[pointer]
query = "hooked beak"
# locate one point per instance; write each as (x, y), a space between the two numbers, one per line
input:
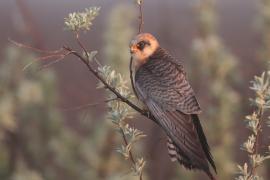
(132, 46)
(132, 49)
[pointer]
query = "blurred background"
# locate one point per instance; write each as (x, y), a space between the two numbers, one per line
(46, 132)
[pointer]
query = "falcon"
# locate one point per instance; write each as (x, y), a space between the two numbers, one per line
(160, 82)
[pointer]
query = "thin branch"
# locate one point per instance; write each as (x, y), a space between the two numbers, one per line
(256, 147)
(126, 143)
(131, 59)
(131, 76)
(30, 23)
(112, 89)
(81, 45)
(58, 56)
(20, 45)
(89, 104)
(84, 49)
(140, 16)
(130, 152)
(61, 57)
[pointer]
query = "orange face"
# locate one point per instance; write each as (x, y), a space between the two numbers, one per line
(139, 46)
(143, 46)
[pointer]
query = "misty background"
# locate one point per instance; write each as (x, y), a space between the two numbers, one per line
(67, 142)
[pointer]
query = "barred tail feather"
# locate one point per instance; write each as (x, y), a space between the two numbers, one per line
(187, 143)
(175, 155)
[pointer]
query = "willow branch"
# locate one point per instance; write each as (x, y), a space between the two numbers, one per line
(65, 51)
(256, 147)
(130, 153)
(126, 143)
(109, 87)
(112, 89)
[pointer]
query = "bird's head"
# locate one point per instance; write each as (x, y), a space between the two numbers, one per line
(143, 46)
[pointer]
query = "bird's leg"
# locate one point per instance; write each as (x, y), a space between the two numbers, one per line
(146, 111)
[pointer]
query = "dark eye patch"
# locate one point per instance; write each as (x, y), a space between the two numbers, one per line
(142, 44)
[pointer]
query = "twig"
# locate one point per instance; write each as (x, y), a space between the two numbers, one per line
(89, 104)
(81, 45)
(131, 76)
(61, 57)
(139, 2)
(29, 22)
(140, 16)
(58, 56)
(126, 143)
(256, 147)
(20, 45)
(112, 89)
(130, 153)
(84, 49)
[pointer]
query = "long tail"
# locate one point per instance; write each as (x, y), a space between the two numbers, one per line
(187, 143)
(203, 140)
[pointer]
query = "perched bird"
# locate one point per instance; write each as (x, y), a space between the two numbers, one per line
(160, 82)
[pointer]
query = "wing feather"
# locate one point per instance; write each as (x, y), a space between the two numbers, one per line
(165, 81)
(162, 85)
(183, 134)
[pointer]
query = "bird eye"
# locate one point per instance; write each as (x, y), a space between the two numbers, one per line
(141, 45)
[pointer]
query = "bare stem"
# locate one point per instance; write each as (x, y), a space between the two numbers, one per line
(139, 31)
(140, 17)
(20, 45)
(30, 23)
(90, 104)
(81, 45)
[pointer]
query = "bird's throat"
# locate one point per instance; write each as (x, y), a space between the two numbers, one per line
(137, 63)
